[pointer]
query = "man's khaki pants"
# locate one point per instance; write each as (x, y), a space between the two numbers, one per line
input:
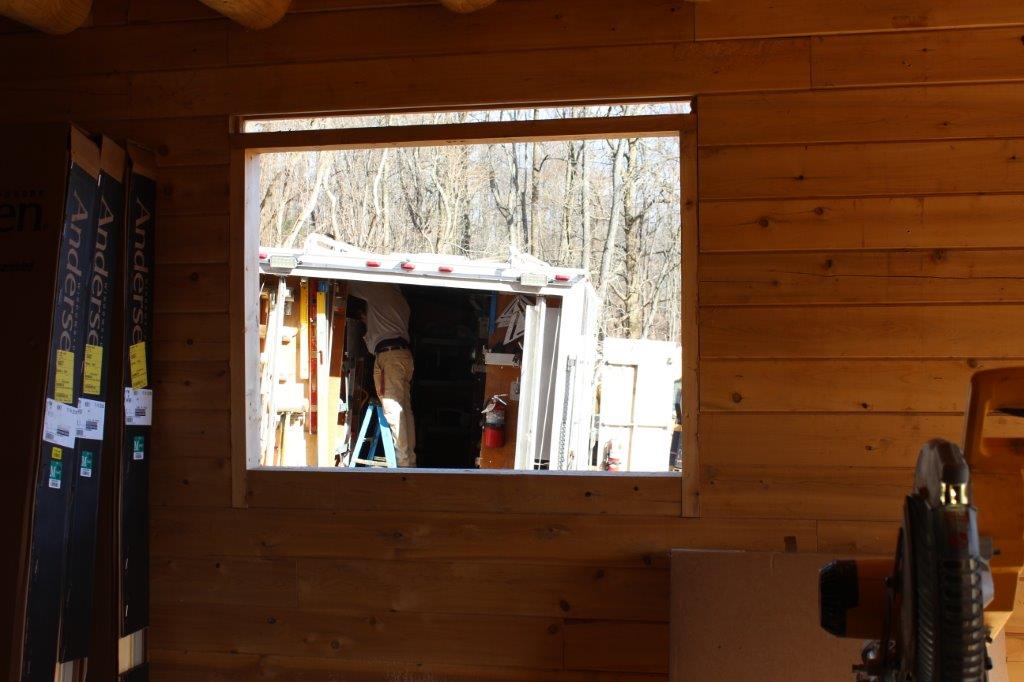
(392, 376)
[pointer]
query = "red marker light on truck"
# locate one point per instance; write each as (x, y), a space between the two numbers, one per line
(264, 255)
(445, 268)
(408, 266)
(373, 263)
(561, 278)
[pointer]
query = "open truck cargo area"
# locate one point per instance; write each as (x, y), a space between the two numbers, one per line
(504, 357)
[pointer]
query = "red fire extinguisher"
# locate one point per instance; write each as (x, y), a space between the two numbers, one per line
(494, 422)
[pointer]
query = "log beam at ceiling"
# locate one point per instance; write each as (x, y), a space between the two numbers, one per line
(50, 16)
(254, 14)
(466, 6)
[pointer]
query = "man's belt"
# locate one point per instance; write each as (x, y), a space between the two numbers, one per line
(390, 344)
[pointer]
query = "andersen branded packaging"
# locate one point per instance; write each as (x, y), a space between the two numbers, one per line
(48, 192)
(120, 613)
(102, 287)
(133, 439)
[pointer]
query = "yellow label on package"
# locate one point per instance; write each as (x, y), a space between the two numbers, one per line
(92, 369)
(64, 377)
(56, 453)
(137, 360)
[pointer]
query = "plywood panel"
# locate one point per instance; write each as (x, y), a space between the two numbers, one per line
(192, 239)
(190, 190)
(863, 115)
(838, 385)
(923, 57)
(934, 276)
(866, 332)
(189, 385)
(864, 537)
(740, 18)
(194, 666)
(182, 141)
(431, 29)
(863, 169)
(1016, 623)
(860, 493)
(484, 588)
(190, 482)
(732, 608)
(589, 540)
(1015, 647)
(641, 647)
(858, 537)
(437, 638)
(795, 440)
(227, 581)
(191, 337)
(192, 432)
(938, 222)
(80, 98)
(152, 47)
(675, 70)
(108, 12)
(191, 288)
(505, 492)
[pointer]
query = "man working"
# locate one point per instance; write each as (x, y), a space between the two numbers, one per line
(387, 337)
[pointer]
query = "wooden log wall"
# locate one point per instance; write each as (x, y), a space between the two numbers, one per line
(861, 191)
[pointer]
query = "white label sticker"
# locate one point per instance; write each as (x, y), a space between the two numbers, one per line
(90, 418)
(138, 406)
(60, 423)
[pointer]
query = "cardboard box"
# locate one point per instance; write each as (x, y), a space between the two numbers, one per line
(754, 616)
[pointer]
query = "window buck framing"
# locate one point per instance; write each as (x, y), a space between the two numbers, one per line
(244, 285)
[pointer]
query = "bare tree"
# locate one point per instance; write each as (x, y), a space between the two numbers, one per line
(609, 207)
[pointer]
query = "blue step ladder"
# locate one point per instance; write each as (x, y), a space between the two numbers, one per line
(374, 434)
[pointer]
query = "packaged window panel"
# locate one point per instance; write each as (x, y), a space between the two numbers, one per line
(48, 189)
(137, 400)
(101, 287)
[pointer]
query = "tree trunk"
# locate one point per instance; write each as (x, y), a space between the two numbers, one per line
(586, 237)
(323, 162)
(335, 228)
(565, 244)
(613, 222)
(632, 224)
(465, 238)
(524, 198)
(536, 165)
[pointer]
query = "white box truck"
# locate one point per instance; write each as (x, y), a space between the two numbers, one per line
(468, 318)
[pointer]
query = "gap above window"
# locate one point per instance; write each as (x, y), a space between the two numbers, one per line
(328, 122)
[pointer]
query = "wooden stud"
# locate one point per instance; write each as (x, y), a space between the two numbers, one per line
(689, 318)
(244, 321)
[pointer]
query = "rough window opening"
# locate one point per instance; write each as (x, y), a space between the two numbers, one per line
(508, 306)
